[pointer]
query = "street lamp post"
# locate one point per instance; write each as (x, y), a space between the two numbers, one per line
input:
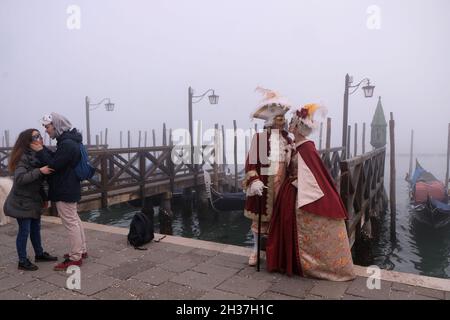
(213, 99)
(108, 107)
(368, 93)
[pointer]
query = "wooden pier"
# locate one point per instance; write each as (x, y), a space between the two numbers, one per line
(137, 173)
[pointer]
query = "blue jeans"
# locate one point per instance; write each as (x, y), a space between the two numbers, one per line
(29, 227)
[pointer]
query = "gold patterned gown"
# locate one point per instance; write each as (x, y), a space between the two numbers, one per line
(305, 243)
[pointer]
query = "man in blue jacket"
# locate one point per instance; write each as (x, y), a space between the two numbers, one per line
(64, 185)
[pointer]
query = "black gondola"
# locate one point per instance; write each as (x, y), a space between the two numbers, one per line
(427, 209)
(223, 201)
(438, 212)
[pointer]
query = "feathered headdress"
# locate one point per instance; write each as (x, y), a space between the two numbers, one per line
(303, 118)
(267, 93)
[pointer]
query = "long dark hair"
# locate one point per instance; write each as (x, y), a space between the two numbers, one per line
(22, 144)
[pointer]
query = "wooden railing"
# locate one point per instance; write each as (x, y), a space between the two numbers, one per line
(331, 159)
(120, 171)
(362, 189)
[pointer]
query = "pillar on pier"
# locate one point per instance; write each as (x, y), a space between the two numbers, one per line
(147, 209)
(188, 199)
(165, 214)
(202, 204)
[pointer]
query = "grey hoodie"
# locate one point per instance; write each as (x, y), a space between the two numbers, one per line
(60, 123)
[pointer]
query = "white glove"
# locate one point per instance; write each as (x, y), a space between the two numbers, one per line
(256, 188)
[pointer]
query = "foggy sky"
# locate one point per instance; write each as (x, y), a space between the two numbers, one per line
(145, 54)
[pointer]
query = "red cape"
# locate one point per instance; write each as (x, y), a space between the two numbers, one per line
(330, 205)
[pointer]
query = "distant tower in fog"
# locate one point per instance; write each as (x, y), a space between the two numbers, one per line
(378, 127)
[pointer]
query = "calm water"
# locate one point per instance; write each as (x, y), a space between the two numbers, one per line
(224, 227)
(417, 249)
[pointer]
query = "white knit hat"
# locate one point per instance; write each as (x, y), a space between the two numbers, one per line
(47, 119)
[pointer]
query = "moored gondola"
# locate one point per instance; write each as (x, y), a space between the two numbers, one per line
(223, 201)
(429, 199)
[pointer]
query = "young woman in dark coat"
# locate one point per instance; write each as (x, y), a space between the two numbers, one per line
(27, 198)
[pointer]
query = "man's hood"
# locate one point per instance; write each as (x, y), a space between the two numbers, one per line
(60, 123)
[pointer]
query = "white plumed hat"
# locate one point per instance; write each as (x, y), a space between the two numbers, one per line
(303, 118)
(270, 106)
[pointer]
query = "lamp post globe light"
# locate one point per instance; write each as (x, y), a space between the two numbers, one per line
(109, 106)
(213, 99)
(368, 93)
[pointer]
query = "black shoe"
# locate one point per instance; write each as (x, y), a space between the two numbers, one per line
(45, 257)
(27, 266)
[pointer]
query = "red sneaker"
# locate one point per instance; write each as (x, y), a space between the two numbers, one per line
(83, 256)
(67, 263)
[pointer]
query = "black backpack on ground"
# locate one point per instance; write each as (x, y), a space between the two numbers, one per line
(141, 230)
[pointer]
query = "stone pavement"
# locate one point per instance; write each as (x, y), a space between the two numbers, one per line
(180, 268)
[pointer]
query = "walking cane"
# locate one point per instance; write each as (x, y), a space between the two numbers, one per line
(259, 242)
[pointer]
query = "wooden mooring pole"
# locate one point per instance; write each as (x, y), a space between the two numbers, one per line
(349, 131)
(129, 143)
(7, 138)
(164, 137)
(320, 136)
(411, 153)
(356, 140)
(216, 156)
(140, 138)
(165, 214)
(197, 161)
(104, 181)
(235, 157)
(363, 142)
(154, 141)
(328, 138)
(392, 198)
(448, 159)
(224, 165)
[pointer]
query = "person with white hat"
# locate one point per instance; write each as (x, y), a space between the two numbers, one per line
(265, 165)
(307, 234)
(64, 185)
